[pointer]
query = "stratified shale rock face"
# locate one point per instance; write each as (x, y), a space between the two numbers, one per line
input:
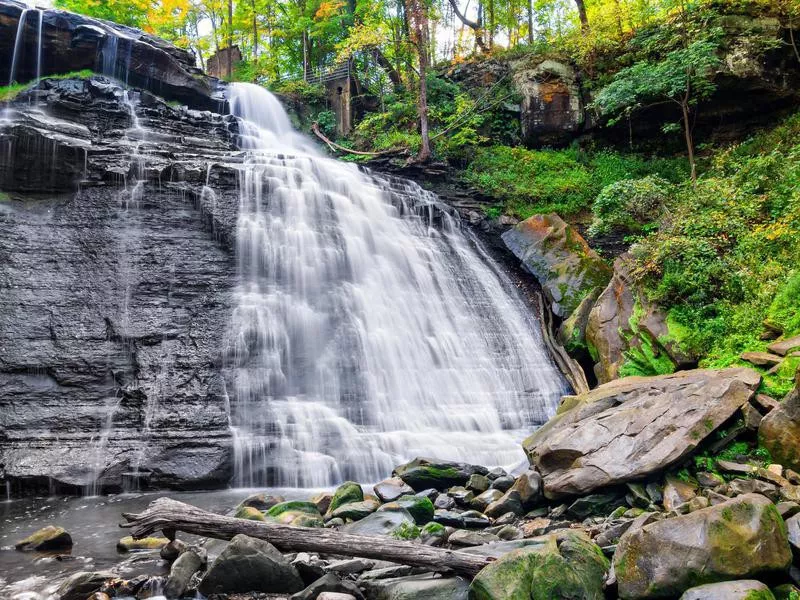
(114, 297)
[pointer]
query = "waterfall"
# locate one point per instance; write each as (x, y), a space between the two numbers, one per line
(17, 44)
(363, 336)
(39, 45)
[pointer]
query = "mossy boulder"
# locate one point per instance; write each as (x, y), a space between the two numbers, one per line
(739, 539)
(250, 513)
(420, 507)
(293, 506)
(560, 259)
(346, 493)
(305, 520)
(748, 589)
(128, 544)
(425, 473)
(47, 539)
(564, 565)
(385, 522)
(354, 511)
(627, 334)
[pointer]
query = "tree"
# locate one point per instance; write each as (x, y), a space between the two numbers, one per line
(476, 26)
(684, 76)
(582, 14)
(417, 14)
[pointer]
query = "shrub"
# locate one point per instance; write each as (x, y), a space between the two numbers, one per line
(628, 205)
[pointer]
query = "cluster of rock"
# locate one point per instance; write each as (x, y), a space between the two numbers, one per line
(606, 511)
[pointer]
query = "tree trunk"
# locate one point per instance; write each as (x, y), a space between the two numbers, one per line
(476, 26)
(230, 39)
(687, 131)
(170, 516)
(582, 14)
(530, 22)
(306, 57)
(391, 71)
(255, 34)
(418, 17)
(491, 24)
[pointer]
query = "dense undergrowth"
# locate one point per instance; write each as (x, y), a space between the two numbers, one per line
(726, 256)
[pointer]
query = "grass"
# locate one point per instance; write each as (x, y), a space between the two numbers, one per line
(565, 181)
(10, 92)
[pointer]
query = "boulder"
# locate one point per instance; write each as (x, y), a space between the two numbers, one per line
(128, 544)
(743, 537)
(424, 473)
(784, 347)
(172, 550)
(261, 501)
(427, 586)
(293, 506)
(354, 511)
(746, 589)
(627, 334)
(677, 492)
(82, 584)
(465, 537)
(346, 493)
(47, 539)
(391, 489)
(181, 572)
(419, 507)
(478, 483)
(322, 501)
(250, 513)
(560, 259)
(482, 501)
(779, 431)
(510, 502)
(628, 429)
(380, 523)
(250, 565)
(561, 565)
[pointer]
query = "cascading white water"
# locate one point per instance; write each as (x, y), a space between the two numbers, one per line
(363, 336)
(17, 45)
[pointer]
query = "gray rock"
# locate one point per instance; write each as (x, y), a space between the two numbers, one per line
(741, 538)
(250, 565)
(445, 502)
(449, 518)
(328, 583)
(350, 566)
(633, 427)
(677, 492)
(429, 587)
(560, 259)
(463, 537)
(335, 596)
(483, 500)
(461, 495)
(478, 483)
(747, 589)
(181, 572)
(46, 539)
(380, 523)
(793, 529)
(503, 483)
(391, 489)
(423, 473)
(82, 584)
(594, 504)
(309, 566)
(171, 551)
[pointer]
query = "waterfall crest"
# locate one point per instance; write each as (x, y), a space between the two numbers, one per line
(362, 335)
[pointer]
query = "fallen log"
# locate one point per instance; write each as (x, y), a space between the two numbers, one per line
(169, 516)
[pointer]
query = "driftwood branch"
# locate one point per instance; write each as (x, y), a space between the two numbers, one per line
(334, 146)
(169, 516)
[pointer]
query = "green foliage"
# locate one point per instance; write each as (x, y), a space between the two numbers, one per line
(726, 255)
(327, 122)
(310, 93)
(406, 531)
(564, 181)
(628, 205)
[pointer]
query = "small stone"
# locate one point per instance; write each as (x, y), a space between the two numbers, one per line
(632, 513)
(790, 493)
(445, 502)
(654, 492)
(752, 418)
(559, 511)
(709, 480)
(322, 501)
(309, 566)
(509, 502)
(698, 503)
(182, 570)
(432, 534)
(593, 504)
(792, 476)
(391, 489)
(505, 519)
(761, 359)
(48, 538)
(478, 483)
(463, 537)
(128, 544)
(335, 596)
(350, 566)
(496, 472)
(750, 486)
(637, 495)
(535, 527)
(788, 509)
(765, 403)
(509, 532)
(448, 517)
(173, 550)
(328, 583)
(617, 513)
(503, 483)
(335, 522)
(677, 492)
(461, 495)
(430, 494)
(483, 500)
(715, 498)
